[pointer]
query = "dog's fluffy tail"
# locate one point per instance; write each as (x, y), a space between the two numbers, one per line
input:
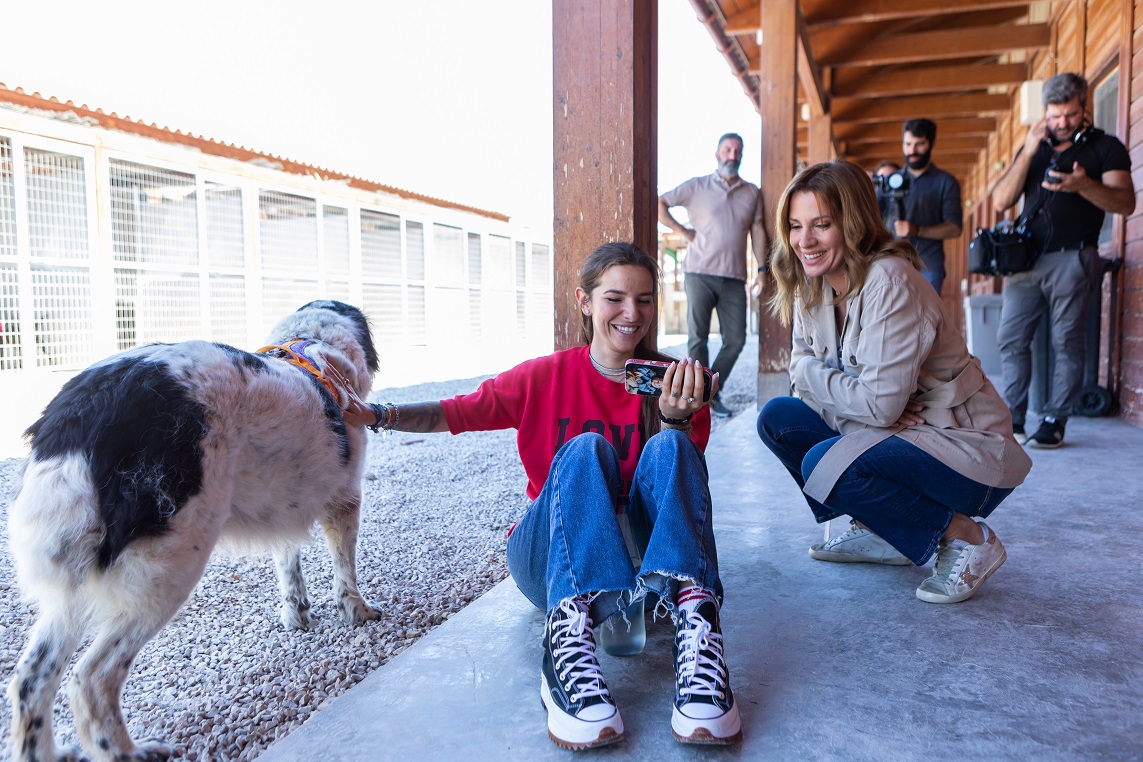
(54, 527)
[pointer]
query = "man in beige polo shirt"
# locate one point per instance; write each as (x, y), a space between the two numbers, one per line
(723, 208)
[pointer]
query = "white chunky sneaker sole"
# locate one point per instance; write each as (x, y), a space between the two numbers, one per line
(717, 731)
(821, 554)
(573, 733)
(857, 546)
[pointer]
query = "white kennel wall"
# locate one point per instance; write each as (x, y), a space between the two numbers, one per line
(110, 240)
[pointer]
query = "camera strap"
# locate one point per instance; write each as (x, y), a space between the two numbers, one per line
(1025, 219)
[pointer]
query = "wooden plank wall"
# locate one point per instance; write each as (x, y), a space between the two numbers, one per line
(1102, 32)
(1089, 36)
(1131, 317)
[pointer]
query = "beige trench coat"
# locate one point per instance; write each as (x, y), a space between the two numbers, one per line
(898, 344)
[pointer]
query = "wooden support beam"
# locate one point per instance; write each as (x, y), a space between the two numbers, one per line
(778, 100)
(808, 72)
(939, 45)
(868, 83)
(604, 72)
(820, 146)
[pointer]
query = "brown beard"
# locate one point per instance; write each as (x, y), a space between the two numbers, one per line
(922, 160)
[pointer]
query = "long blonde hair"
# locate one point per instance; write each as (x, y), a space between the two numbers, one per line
(845, 193)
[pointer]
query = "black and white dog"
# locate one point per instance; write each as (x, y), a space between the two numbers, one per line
(139, 466)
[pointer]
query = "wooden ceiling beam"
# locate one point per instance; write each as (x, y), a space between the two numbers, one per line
(949, 144)
(958, 169)
(731, 50)
(747, 21)
(940, 157)
(932, 107)
(843, 39)
(867, 83)
(828, 12)
(940, 45)
(891, 131)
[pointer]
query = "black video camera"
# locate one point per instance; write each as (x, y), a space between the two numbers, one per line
(895, 185)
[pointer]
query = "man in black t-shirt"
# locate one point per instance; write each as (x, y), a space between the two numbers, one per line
(932, 206)
(1074, 174)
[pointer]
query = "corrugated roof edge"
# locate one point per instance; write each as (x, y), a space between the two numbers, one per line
(213, 147)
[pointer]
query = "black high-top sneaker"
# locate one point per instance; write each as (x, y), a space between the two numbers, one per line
(704, 711)
(581, 712)
(1049, 436)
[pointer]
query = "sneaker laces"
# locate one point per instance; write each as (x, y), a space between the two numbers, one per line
(573, 652)
(851, 533)
(701, 665)
(950, 560)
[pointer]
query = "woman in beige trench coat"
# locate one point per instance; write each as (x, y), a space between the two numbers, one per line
(892, 422)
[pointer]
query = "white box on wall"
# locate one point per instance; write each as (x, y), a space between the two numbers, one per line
(1031, 101)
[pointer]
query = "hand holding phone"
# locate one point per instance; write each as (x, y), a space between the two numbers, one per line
(646, 377)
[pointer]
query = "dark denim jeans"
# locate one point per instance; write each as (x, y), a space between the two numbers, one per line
(898, 490)
(569, 542)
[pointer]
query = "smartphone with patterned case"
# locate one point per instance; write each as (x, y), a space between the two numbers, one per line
(646, 377)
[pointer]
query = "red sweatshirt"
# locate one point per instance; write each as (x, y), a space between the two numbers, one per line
(551, 399)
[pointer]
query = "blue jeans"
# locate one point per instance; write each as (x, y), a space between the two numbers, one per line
(727, 297)
(936, 277)
(569, 542)
(896, 489)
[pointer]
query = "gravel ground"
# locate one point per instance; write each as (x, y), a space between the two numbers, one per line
(223, 680)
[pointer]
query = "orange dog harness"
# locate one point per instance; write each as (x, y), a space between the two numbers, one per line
(291, 352)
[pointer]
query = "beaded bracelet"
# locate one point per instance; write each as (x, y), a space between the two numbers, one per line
(675, 421)
(387, 416)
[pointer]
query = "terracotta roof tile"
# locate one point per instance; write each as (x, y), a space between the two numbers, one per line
(113, 121)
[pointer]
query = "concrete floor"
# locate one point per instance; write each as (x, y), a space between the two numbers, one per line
(828, 661)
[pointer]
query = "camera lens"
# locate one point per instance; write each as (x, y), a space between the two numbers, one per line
(895, 181)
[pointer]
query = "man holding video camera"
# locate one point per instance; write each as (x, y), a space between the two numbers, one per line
(923, 200)
(1072, 174)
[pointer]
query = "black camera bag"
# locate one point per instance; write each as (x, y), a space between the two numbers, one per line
(1007, 248)
(999, 251)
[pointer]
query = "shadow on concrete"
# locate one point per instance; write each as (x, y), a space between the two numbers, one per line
(834, 662)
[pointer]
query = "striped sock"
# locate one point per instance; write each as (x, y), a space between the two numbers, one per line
(689, 598)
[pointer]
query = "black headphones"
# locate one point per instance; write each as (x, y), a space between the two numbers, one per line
(1085, 131)
(1066, 158)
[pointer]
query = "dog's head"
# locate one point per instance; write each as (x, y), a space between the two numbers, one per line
(341, 326)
